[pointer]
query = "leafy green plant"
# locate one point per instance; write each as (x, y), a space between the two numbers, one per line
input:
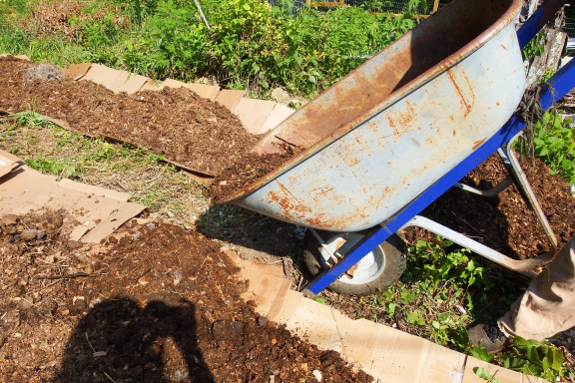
(535, 358)
(555, 145)
(536, 46)
(484, 374)
(31, 119)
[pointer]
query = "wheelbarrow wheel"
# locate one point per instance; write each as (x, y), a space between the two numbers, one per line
(377, 270)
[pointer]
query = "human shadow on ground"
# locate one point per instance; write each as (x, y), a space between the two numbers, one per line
(120, 341)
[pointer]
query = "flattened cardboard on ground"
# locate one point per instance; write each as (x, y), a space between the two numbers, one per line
(8, 163)
(171, 84)
(278, 115)
(25, 189)
(128, 82)
(387, 354)
(254, 113)
(5, 55)
(205, 91)
(76, 71)
(151, 85)
(102, 75)
(230, 98)
(112, 222)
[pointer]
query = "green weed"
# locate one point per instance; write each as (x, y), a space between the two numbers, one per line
(555, 145)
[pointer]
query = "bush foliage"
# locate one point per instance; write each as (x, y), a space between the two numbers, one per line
(250, 44)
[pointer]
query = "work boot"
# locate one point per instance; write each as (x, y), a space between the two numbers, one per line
(491, 337)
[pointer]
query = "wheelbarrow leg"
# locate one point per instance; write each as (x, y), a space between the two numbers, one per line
(513, 165)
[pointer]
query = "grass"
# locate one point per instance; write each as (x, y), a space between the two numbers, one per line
(169, 193)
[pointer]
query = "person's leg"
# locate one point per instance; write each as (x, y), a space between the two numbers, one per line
(546, 308)
(548, 305)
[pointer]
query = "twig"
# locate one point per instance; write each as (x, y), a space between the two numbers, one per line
(77, 275)
(205, 20)
(88, 340)
(108, 376)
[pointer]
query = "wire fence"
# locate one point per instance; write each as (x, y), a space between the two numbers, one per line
(569, 28)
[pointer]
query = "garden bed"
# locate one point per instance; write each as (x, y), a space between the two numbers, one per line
(154, 303)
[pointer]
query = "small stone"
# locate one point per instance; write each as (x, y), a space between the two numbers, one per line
(137, 236)
(137, 371)
(170, 214)
(28, 235)
(280, 95)
(79, 303)
(317, 375)
(10, 219)
(27, 303)
(262, 321)
(19, 229)
(40, 234)
(151, 226)
(177, 277)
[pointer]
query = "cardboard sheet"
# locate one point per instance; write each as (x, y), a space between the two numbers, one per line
(387, 354)
(24, 189)
(205, 91)
(102, 75)
(230, 98)
(278, 115)
(76, 71)
(128, 82)
(254, 113)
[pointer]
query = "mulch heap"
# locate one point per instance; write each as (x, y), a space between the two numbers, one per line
(153, 303)
(506, 222)
(196, 133)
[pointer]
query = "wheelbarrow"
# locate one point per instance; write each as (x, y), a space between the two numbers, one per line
(396, 133)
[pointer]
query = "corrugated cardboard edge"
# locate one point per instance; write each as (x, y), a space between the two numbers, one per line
(388, 354)
(8, 163)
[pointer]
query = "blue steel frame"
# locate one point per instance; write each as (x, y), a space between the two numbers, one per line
(557, 87)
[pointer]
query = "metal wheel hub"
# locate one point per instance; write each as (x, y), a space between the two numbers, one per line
(368, 269)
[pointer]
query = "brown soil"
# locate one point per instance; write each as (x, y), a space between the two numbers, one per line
(505, 223)
(154, 303)
(245, 171)
(188, 130)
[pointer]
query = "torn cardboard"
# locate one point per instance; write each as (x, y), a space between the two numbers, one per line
(8, 163)
(77, 71)
(24, 189)
(388, 354)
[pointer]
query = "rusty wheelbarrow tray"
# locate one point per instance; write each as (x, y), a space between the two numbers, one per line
(392, 127)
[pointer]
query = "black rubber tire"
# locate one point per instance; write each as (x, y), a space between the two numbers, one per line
(393, 248)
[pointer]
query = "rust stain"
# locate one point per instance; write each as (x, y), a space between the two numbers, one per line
(462, 99)
(477, 144)
(503, 46)
(453, 132)
(497, 103)
(392, 125)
